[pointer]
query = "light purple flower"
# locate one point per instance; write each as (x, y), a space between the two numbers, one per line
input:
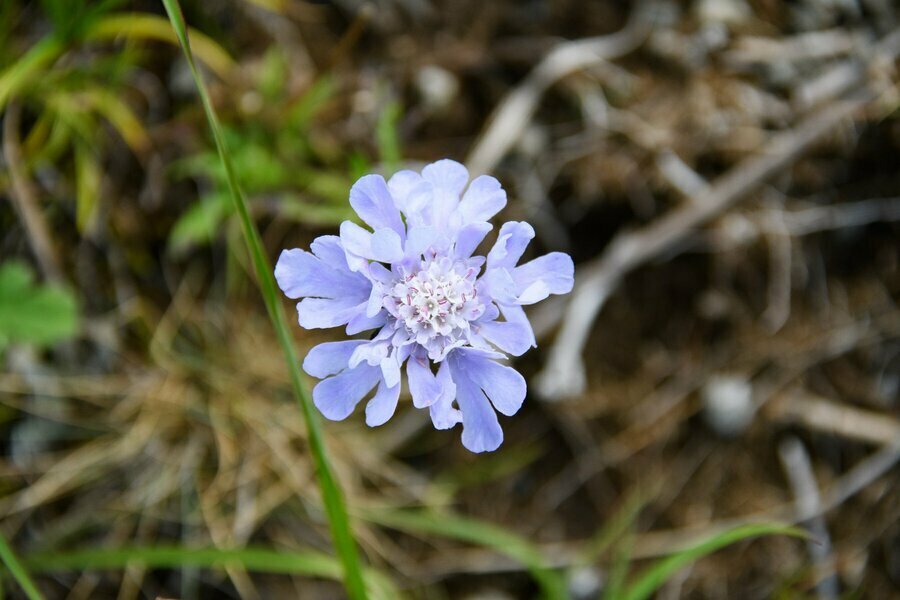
(447, 315)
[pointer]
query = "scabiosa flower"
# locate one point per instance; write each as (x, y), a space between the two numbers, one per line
(449, 316)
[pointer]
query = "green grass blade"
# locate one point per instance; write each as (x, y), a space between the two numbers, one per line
(18, 571)
(476, 532)
(618, 571)
(655, 576)
(256, 560)
(615, 528)
(259, 560)
(152, 27)
(28, 68)
(332, 497)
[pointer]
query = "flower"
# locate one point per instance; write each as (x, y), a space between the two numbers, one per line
(448, 315)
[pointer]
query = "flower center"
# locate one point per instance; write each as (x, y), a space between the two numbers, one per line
(438, 300)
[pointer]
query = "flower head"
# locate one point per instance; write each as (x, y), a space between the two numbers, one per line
(447, 315)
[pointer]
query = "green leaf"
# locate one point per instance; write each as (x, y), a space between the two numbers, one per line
(199, 224)
(258, 168)
(310, 103)
(387, 137)
(476, 532)
(33, 313)
(299, 210)
(655, 576)
(358, 165)
(273, 73)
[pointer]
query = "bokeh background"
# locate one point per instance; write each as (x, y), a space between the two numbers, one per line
(725, 173)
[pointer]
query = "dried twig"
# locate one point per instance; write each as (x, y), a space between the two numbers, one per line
(564, 374)
(24, 197)
(820, 414)
(798, 468)
(663, 543)
(512, 115)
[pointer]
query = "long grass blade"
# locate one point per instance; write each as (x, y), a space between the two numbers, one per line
(152, 27)
(255, 560)
(25, 70)
(655, 576)
(478, 532)
(615, 527)
(18, 571)
(618, 571)
(332, 497)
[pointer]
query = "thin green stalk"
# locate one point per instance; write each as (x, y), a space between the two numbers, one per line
(474, 531)
(656, 575)
(18, 571)
(260, 560)
(255, 560)
(28, 68)
(332, 497)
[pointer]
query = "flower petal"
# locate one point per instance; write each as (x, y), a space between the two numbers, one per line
(511, 243)
(387, 246)
(329, 358)
(322, 313)
(484, 199)
(468, 238)
(390, 368)
(377, 272)
(369, 352)
(446, 174)
(419, 240)
(376, 300)
(300, 274)
(357, 243)
(481, 430)
(498, 285)
(419, 204)
(549, 274)
(514, 335)
(443, 414)
(372, 201)
(363, 322)
(329, 249)
(443, 205)
(503, 385)
(423, 385)
(337, 396)
(381, 408)
(400, 185)
(383, 246)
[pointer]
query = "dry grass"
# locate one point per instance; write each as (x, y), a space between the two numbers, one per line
(169, 421)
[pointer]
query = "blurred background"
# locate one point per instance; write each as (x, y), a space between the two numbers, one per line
(725, 173)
